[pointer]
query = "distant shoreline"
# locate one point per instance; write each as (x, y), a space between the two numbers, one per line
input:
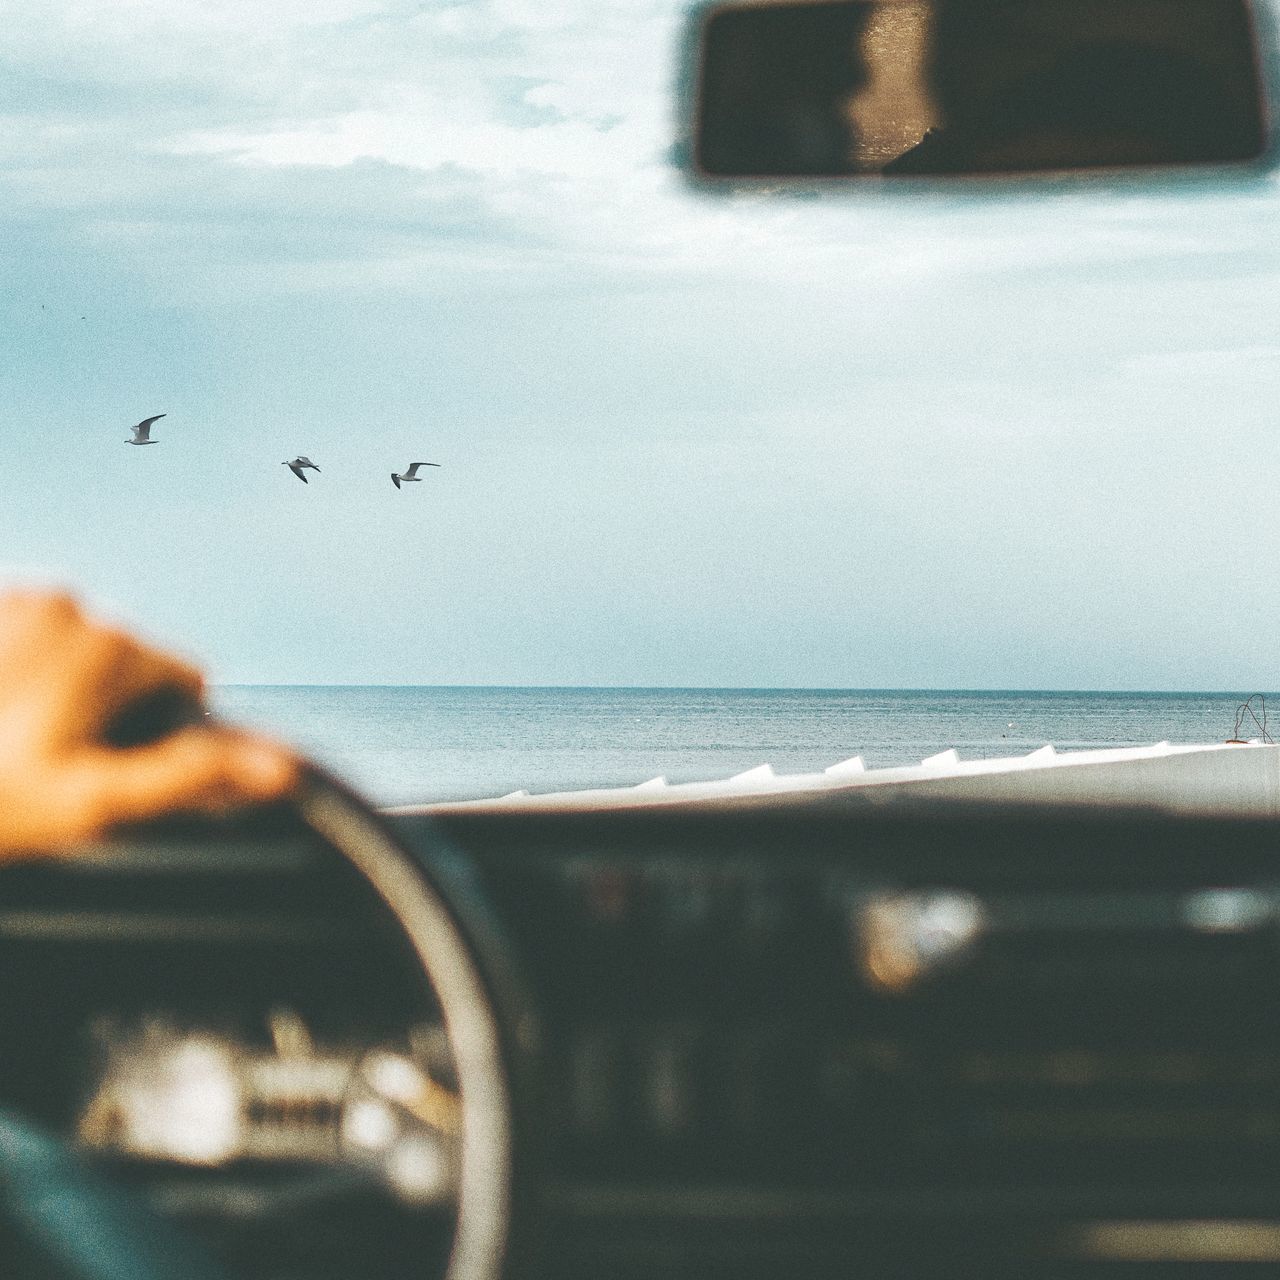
(410, 743)
(765, 689)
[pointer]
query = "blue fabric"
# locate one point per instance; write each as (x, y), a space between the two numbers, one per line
(77, 1224)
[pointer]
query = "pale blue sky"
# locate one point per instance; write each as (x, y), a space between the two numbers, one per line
(978, 441)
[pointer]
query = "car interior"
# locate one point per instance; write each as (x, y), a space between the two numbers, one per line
(829, 1035)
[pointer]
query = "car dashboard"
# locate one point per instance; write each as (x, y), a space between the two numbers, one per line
(200, 1016)
(845, 1039)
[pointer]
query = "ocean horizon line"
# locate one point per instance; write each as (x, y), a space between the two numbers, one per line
(992, 691)
(408, 743)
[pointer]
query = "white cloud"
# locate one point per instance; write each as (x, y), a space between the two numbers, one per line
(561, 112)
(1262, 359)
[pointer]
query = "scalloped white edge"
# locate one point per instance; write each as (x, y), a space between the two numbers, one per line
(1124, 779)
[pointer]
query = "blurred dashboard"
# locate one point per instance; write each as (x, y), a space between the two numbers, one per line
(855, 1040)
(904, 1041)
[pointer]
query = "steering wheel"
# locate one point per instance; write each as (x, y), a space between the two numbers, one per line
(87, 1229)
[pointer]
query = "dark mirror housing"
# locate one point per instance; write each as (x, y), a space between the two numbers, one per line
(855, 88)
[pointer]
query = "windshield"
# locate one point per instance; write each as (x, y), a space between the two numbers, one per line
(928, 441)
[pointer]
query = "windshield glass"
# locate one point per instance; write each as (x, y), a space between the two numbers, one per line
(922, 441)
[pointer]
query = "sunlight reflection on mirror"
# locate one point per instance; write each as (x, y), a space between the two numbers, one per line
(890, 113)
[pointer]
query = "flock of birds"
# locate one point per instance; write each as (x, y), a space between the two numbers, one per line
(299, 466)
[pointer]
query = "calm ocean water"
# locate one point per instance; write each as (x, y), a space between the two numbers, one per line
(400, 745)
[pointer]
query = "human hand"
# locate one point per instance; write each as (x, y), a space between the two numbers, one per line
(63, 680)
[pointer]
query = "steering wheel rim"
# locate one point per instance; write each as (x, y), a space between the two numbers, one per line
(482, 1228)
(44, 1171)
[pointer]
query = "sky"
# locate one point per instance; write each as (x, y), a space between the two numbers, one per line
(880, 439)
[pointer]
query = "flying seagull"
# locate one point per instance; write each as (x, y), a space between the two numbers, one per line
(411, 474)
(298, 465)
(142, 432)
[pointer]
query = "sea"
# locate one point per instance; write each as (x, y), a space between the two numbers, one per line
(406, 745)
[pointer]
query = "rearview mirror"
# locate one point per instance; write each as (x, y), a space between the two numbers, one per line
(888, 87)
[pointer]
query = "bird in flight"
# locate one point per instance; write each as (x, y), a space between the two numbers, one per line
(411, 474)
(299, 465)
(142, 432)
